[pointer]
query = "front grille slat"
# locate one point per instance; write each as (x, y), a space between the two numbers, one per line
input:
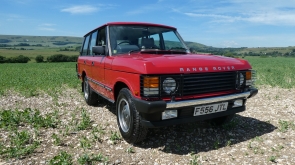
(223, 83)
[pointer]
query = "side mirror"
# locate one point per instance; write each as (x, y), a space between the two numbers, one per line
(100, 50)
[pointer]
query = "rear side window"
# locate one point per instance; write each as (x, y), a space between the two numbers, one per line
(85, 46)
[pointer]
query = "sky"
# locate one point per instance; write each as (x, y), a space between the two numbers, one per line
(217, 23)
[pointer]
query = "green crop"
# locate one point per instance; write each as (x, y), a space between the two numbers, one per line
(274, 71)
(32, 78)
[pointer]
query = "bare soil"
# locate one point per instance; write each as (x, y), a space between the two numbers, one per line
(255, 136)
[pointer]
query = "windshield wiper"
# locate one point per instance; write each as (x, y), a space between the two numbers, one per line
(178, 48)
(133, 51)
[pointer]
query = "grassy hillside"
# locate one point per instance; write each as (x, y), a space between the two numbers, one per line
(40, 41)
(32, 46)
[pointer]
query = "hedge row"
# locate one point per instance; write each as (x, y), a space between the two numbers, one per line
(18, 59)
(39, 58)
(62, 58)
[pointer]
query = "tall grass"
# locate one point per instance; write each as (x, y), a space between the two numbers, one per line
(274, 71)
(29, 79)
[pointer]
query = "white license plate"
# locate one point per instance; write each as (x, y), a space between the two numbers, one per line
(212, 108)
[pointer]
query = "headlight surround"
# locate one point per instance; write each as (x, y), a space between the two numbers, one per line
(169, 85)
(242, 79)
(250, 78)
(245, 78)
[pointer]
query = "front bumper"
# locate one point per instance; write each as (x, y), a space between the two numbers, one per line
(151, 110)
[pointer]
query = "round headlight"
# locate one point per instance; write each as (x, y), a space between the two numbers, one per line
(241, 79)
(169, 85)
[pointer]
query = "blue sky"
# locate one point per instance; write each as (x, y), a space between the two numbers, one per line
(218, 23)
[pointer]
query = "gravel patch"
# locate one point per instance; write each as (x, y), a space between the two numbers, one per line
(263, 134)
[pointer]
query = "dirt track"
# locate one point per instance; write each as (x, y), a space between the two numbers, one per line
(258, 135)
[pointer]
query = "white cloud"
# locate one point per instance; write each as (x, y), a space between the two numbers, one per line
(221, 18)
(47, 24)
(274, 18)
(268, 12)
(229, 44)
(80, 9)
(46, 27)
(15, 17)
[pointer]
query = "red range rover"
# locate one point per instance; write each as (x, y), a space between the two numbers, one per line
(154, 80)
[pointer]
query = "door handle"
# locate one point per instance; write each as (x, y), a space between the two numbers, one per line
(92, 63)
(84, 62)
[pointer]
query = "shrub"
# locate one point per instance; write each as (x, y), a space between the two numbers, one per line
(18, 59)
(62, 58)
(72, 58)
(2, 59)
(39, 59)
(57, 58)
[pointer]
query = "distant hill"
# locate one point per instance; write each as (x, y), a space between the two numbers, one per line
(48, 41)
(75, 42)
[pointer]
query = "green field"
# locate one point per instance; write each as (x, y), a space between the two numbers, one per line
(45, 52)
(33, 78)
(274, 71)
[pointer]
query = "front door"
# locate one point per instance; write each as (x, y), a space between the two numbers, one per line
(98, 61)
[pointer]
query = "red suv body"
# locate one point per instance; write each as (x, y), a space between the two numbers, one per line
(154, 80)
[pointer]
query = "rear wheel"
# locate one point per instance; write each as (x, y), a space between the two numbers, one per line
(128, 118)
(90, 96)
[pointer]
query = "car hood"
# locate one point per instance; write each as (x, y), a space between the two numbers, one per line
(177, 63)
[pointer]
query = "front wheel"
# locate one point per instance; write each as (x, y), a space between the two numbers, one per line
(90, 96)
(128, 118)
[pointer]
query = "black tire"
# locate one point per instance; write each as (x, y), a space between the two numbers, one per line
(221, 120)
(128, 118)
(90, 96)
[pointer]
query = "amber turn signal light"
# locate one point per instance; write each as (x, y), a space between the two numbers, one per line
(151, 82)
(248, 75)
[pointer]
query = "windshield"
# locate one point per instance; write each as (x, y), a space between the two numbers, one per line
(129, 38)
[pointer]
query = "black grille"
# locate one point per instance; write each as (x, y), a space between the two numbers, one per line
(209, 82)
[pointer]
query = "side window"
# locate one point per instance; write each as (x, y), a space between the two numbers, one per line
(101, 38)
(85, 46)
(92, 42)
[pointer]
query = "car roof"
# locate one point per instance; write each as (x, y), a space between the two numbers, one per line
(131, 23)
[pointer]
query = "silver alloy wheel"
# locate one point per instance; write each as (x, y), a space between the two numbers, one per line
(86, 88)
(124, 115)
